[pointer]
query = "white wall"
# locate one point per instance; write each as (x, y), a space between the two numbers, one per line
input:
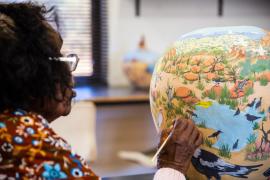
(79, 129)
(162, 22)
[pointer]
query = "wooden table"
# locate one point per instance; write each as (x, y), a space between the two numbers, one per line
(107, 95)
(120, 115)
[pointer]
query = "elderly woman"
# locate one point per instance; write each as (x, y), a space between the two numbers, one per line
(36, 88)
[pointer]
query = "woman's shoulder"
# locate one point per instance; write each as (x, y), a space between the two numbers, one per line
(27, 141)
(20, 116)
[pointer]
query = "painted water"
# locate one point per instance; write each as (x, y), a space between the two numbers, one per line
(221, 117)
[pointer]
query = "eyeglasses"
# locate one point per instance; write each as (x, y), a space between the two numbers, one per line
(71, 60)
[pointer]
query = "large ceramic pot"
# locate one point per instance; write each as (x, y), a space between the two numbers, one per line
(139, 65)
(220, 78)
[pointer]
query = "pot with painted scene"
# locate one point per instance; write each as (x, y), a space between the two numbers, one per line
(220, 78)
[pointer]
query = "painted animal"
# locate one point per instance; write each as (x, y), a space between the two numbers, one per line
(218, 80)
(237, 112)
(235, 145)
(267, 173)
(192, 113)
(212, 166)
(215, 134)
(259, 103)
(252, 103)
(252, 117)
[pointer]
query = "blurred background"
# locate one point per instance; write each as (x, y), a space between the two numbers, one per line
(111, 114)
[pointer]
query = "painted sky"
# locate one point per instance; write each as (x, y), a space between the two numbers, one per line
(252, 32)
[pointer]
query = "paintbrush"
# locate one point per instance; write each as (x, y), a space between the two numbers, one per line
(164, 143)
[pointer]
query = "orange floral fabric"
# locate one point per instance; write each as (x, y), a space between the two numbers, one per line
(30, 149)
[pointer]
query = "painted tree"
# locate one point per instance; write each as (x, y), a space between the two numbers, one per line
(260, 66)
(233, 73)
(265, 139)
(246, 68)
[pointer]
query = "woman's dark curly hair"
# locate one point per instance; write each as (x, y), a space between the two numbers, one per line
(27, 75)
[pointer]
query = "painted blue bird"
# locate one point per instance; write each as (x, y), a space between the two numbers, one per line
(251, 117)
(212, 166)
(235, 145)
(252, 103)
(218, 80)
(237, 112)
(267, 173)
(259, 103)
(192, 113)
(215, 134)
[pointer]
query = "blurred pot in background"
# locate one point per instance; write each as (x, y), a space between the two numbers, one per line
(139, 65)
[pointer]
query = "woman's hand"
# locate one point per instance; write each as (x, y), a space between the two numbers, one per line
(177, 153)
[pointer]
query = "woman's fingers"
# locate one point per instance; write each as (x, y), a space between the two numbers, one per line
(194, 135)
(199, 140)
(181, 126)
(190, 128)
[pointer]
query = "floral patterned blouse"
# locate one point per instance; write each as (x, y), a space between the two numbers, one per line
(30, 149)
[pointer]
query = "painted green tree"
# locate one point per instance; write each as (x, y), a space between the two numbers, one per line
(260, 66)
(246, 68)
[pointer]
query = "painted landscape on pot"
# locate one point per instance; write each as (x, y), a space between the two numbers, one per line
(219, 78)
